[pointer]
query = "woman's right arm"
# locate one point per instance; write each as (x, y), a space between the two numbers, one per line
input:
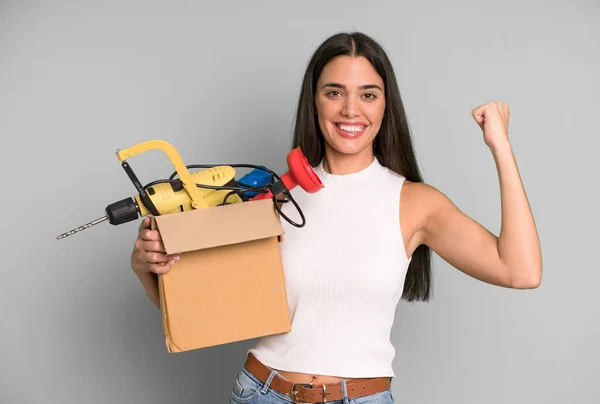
(149, 258)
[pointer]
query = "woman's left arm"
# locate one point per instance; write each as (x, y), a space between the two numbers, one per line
(514, 258)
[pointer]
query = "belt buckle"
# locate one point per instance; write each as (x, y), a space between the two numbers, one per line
(293, 391)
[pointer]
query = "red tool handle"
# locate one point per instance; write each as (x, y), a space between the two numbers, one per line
(300, 173)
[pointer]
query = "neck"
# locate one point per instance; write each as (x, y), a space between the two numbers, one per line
(338, 163)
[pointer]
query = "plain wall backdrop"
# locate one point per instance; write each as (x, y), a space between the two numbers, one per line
(220, 81)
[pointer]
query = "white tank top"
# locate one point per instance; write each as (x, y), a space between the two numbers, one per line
(344, 275)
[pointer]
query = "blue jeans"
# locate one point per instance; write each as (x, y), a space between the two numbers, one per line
(248, 389)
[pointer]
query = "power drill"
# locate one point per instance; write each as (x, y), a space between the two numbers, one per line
(212, 186)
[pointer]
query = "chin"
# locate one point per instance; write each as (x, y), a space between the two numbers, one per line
(344, 146)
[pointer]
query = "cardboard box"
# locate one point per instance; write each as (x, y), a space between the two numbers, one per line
(228, 284)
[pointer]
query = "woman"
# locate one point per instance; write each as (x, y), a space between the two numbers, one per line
(367, 241)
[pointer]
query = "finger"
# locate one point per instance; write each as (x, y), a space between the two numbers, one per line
(478, 111)
(161, 268)
(153, 246)
(481, 107)
(154, 257)
(150, 235)
(477, 115)
(145, 224)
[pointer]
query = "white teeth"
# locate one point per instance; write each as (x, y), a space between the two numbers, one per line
(348, 128)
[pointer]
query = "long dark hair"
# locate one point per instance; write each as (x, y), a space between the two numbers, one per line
(392, 146)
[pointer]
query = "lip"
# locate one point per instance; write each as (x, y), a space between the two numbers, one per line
(350, 135)
(350, 123)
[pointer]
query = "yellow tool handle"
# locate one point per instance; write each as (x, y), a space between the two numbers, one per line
(175, 158)
(167, 200)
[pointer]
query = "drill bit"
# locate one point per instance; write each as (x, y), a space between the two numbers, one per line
(85, 226)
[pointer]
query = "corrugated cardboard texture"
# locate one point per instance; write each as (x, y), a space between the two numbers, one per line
(228, 284)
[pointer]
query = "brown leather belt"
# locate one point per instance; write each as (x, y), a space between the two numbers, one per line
(309, 393)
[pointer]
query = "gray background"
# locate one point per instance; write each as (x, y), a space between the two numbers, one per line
(79, 80)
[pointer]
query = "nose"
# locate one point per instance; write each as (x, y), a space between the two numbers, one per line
(350, 108)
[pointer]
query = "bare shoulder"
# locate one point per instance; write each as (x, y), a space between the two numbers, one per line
(420, 203)
(426, 196)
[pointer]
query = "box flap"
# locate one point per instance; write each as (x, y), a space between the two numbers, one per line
(218, 226)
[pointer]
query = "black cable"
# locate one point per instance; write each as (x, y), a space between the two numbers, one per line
(259, 189)
(230, 165)
(273, 174)
(150, 184)
(235, 190)
(290, 221)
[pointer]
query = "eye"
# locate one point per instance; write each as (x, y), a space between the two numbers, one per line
(370, 96)
(333, 93)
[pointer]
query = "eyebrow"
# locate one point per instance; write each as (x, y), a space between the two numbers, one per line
(343, 87)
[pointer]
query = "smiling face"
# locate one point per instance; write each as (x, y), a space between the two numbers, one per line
(350, 104)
